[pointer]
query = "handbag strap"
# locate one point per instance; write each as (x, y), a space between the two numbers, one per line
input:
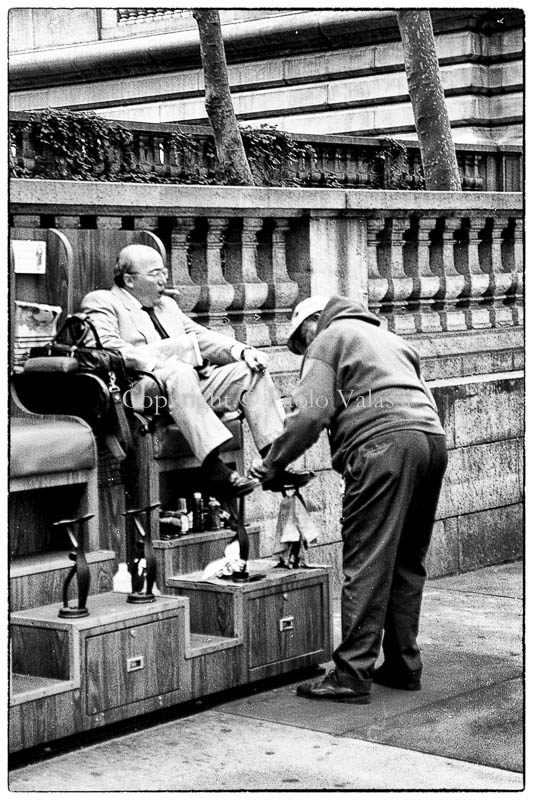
(78, 326)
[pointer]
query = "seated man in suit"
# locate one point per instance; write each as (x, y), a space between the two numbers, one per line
(203, 371)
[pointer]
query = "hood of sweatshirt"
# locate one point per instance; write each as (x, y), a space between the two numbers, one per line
(344, 308)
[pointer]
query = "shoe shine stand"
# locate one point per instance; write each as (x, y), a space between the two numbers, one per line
(170, 636)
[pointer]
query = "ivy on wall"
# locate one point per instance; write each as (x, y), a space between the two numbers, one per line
(69, 145)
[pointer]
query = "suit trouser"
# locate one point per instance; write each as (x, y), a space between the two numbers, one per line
(392, 486)
(195, 401)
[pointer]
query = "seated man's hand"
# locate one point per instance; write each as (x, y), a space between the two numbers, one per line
(255, 359)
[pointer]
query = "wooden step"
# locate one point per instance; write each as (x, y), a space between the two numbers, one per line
(201, 644)
(282, 616)
(121, 661)
(194, 551)
(37, 580)
(25, 688)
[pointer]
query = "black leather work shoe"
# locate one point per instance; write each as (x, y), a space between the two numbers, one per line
(234, 485)
(329, 688)
(395, 679)
(288, 479)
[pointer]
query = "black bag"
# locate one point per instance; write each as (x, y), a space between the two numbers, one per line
(72, 351)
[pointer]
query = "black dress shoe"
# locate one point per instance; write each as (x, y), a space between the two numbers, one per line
(395, 679)
(288, 479)
(234, 485)
(329, 688)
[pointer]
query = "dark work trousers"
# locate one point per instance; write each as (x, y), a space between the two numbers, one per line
(392, 486)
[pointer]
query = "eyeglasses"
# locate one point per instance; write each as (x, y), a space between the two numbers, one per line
(154, 273)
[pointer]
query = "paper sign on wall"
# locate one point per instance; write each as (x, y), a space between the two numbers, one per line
(29, 256)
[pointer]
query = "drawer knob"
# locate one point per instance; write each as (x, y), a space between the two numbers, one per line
(134, 663)
(286, 624)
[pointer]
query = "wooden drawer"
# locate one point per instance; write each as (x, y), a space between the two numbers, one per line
(132, 663)
(287, 623)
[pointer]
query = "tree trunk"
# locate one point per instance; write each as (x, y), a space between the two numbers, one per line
(218, 103)
(437, 149)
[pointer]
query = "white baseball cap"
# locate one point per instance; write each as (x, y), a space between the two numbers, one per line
(306, 308)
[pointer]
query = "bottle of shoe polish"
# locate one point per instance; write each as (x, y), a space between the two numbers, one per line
(197, 513)
(184, 516)
(213, 515)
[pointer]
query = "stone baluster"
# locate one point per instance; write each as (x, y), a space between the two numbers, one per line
(216, 293)
(27, 151)
(106, 223)
(451, 282)
(283, 291)
(425, 282)
(400, 285)
(250, 291)
(180, 277)
(141, 223)
(500, 280)
(73, 221)
(476, 281)
(143, 149)
(159, 155)
(175, 158)
(351, 167)
(515, 258)
(26, 221)
(377, 285)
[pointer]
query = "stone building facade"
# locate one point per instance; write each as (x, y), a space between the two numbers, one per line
(317, 71)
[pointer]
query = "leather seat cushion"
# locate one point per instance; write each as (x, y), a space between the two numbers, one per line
(170, 442)
(40, 447)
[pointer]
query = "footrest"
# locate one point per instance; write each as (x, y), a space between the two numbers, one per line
(32, 687)
(281, 615)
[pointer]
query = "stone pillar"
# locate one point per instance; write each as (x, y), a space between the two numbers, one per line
(377, 285)
(102, 223)
(500, 281)
(26, 221)
(180, 277)
(250, 291)
(451, 282)
(400, 285)
(141, 223)
(283, 291)
(476, 281)
(217, 294)
(425, 283)
(516, 291)
(73, 222)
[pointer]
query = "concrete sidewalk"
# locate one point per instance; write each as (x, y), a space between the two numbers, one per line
(463, 731)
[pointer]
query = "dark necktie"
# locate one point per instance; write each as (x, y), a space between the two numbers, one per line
(157, 325)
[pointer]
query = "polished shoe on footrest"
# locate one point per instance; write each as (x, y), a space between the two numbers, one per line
(288, 479)
(234, 485)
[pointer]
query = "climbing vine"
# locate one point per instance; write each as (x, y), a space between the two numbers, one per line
(69, 145)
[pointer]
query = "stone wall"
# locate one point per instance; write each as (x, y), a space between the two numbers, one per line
(316, 71)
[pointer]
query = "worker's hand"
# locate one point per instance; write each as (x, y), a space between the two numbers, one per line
(261, 471)
(255, 359)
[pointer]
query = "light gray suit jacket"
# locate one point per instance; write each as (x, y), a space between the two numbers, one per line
(122, 325)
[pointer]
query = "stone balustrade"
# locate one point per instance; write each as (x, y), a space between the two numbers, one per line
(241, 257)
(346, 161)
(443, 268)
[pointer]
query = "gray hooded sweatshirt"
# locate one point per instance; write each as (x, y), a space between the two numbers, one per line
(358, 380)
